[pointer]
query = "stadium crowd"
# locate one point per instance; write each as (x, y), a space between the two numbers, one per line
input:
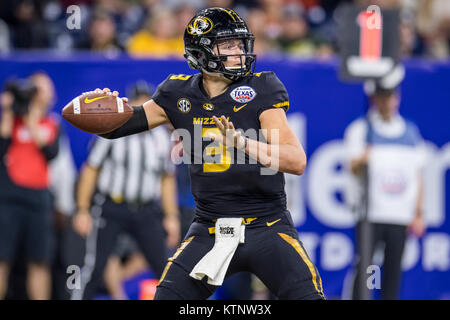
(154, 28)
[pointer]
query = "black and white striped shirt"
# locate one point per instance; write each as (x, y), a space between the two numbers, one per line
(131, 167)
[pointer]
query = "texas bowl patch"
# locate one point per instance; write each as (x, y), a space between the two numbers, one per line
(243, 94)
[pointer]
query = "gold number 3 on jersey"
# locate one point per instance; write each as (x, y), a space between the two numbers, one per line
(225, 156)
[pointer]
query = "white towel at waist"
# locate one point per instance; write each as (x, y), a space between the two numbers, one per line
(229, 233)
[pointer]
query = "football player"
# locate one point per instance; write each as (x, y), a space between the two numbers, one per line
(210, 106)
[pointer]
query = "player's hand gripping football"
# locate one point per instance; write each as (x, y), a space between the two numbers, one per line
(229, 136)
(108, 91)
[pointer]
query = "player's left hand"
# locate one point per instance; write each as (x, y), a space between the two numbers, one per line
(108, 91)
(229, 136)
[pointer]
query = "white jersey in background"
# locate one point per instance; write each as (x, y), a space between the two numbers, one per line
(396, 161)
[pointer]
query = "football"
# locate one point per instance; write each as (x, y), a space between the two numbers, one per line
(97, 112)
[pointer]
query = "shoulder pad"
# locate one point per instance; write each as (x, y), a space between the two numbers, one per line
(272, 92)
(173, 82)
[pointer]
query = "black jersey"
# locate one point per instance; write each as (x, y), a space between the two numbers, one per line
(224, 181)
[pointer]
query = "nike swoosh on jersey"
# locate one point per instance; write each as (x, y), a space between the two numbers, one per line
(269, 224)
(87, 100)
(237, 109)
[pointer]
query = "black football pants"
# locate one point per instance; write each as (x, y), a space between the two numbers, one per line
(272, 251)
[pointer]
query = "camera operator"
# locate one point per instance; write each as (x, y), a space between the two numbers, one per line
(28, 141)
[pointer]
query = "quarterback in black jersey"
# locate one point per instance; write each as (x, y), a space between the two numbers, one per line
(238, 143)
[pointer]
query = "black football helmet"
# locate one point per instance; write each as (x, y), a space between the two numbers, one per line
(205, 30)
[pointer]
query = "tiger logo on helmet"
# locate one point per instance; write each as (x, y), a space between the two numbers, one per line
(199, 26)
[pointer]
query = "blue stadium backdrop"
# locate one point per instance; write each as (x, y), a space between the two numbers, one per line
(321, 108)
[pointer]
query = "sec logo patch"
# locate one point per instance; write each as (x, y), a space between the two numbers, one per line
(243, 94)
(184, 105)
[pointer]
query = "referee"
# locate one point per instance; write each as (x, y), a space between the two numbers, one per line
(390, 149)
(126, 185)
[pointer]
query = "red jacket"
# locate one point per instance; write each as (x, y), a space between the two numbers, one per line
(26, 163)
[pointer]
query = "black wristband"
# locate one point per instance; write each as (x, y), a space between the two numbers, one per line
(137, 123)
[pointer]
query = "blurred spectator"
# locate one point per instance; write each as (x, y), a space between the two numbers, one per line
(274, 17)
(433, 22)
(184, 14)
(296, 38)
(4, 37)
(383, 4)
(257, 22)
(159, 38)
(28, 30)
(411, 43)
(131, 20)
(219, 3)
(28, 141)
(247, 4)
(102, 34)
(388, 148)
(126, 186)
(67, 3)
(112, 6)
